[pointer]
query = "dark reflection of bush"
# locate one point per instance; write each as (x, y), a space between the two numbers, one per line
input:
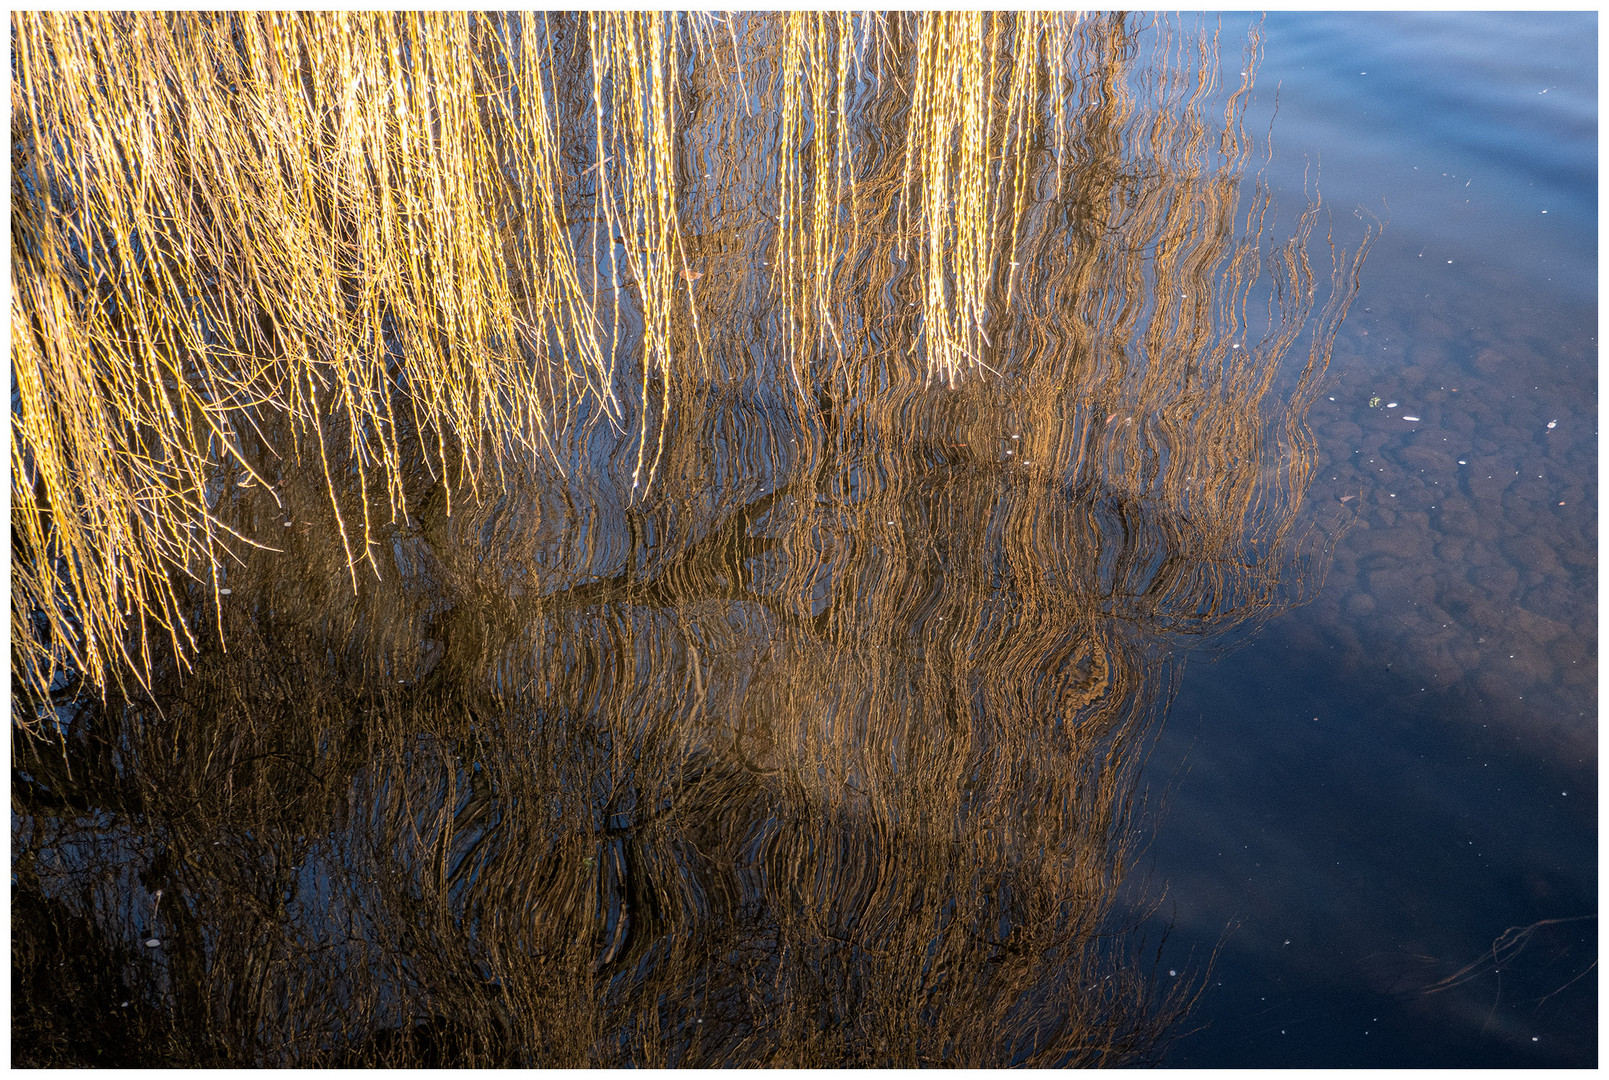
(558, 786)
(453, 862)
(357, 827)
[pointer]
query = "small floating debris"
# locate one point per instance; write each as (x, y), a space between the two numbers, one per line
(1552, 424)
(1374, 401)
(1461, 461)
(1391, 404)
(1412, 418)
(226, 592)
(152, 943)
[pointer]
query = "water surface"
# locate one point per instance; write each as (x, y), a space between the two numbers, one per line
(900, 716)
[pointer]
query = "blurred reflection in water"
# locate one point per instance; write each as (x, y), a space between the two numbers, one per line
(822, 752)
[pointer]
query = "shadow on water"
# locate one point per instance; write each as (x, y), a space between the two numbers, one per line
(825, 750)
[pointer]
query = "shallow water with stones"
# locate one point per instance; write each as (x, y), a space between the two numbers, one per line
(1386, 804)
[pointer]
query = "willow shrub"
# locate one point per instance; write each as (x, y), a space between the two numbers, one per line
(331, 242)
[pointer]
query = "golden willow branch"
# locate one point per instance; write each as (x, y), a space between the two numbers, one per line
(243, 244)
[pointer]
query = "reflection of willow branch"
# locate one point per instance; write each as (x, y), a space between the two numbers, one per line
(1505, 948)
(571, 866)
(1132, 366)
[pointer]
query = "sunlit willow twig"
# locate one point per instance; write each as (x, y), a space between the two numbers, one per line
(381, 227)
(826, 750)
(219, 218)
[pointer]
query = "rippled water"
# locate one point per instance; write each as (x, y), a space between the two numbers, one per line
(896, 723)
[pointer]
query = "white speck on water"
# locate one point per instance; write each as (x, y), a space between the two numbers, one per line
(1172, 972)
(1461, 461)
(1552, 424)
(1332, 399)
(1414, 419)
(151, 943)
(1391, 404)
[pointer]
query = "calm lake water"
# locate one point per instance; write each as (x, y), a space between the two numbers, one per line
(1384, 783)
(1213, 684)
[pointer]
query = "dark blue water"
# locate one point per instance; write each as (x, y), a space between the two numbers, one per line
(1383, 809)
